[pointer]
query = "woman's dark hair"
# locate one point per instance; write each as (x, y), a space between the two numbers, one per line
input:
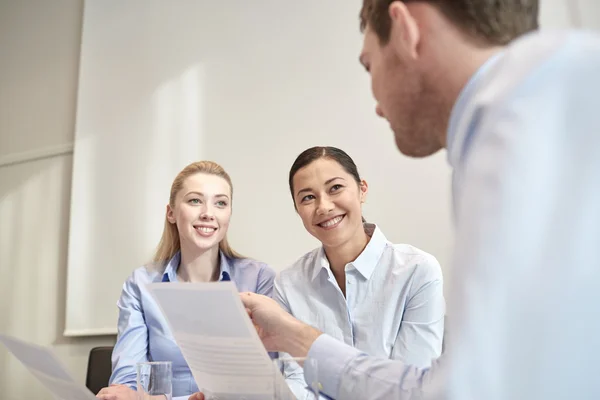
(314, 153)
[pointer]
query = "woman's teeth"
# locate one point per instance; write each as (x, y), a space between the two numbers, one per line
(331, 222)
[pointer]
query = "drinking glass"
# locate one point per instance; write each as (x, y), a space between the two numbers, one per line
(154, 380)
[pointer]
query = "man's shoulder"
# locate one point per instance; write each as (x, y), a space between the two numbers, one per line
(534, 56)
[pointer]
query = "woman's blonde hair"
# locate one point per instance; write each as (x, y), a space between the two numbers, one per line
(169, 243)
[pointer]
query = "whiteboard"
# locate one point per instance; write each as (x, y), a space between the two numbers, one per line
(249, 86)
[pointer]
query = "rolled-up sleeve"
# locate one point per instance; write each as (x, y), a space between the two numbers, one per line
(346, 373)
(132, 341)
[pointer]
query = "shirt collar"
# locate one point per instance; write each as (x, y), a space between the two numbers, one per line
(323, 264)
(170, 274)
(225, 274)
(456, 138)
(366, 261)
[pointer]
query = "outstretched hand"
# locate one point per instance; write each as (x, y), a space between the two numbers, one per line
(277, 329)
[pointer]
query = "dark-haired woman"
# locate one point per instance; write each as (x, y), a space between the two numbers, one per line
(384, 299)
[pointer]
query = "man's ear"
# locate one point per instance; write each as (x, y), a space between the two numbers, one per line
(404, 32)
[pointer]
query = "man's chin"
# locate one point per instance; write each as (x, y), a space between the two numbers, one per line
(416, 150)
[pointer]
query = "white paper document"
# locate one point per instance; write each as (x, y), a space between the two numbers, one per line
(218, 340)
(48, 369)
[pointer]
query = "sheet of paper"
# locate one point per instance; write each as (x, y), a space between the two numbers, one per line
(48, 369)
(217, 339)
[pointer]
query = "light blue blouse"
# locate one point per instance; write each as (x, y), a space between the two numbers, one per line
(143, 334)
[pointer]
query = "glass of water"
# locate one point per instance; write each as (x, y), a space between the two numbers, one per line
(154, 380)
(307, 388)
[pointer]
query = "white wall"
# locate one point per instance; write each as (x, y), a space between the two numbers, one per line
(39, 47)
(39, 43)
(252, 101)
(589, 14)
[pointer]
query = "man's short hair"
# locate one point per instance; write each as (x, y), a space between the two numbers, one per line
(493, 22)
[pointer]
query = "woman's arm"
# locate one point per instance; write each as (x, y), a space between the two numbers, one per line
(419, 340)
(132, 341)
(264, 281)
(293, 373)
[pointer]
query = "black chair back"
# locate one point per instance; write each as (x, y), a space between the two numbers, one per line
(99, 368)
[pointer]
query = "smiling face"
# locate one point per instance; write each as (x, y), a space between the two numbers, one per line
(201, 211)
(329, 202)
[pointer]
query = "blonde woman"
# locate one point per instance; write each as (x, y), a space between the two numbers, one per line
(193, 248)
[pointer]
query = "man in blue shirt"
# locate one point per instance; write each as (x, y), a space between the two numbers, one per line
(518, 112)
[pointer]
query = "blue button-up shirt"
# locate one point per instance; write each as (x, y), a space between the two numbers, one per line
(143, 333)
(393, 308)
(524, 297)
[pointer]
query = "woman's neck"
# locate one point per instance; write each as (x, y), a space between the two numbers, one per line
(345, 253)
(199, 267)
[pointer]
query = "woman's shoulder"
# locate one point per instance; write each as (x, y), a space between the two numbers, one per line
(425, 264)
(250, 264)
(147, 273)
(303, 266)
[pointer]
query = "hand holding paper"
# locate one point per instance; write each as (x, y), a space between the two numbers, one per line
(217, 339)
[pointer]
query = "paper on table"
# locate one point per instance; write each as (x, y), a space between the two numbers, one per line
(217, 339)
(48, 369)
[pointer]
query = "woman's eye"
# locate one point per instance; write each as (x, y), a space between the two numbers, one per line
(222, 203)
(307, 198)
(336, 187)
(194, 201)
